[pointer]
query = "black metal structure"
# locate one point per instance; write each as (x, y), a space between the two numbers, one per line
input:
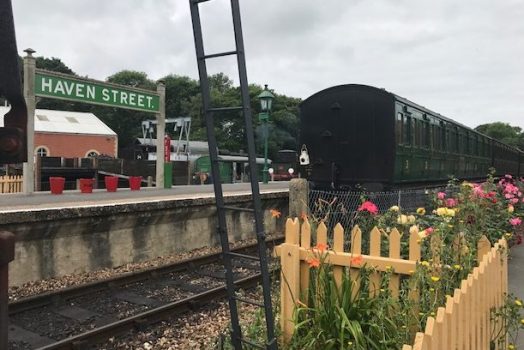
(236, 333)
(13, 140)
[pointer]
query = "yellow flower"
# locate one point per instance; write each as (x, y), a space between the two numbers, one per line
(518, 302)
(402, 219)
(508, 234)
(421, 211)
(388, 267)
(424, 263)
(511, 347)
(522, 321)
(422, 234)
(431, 289)
(435, 278)
(457, 267)
(413, 230)
(445, 212)
(411, 219)
(441, 211)
(511, 208)
(394, 208)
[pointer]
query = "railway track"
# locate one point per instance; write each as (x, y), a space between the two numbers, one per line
(80, 317)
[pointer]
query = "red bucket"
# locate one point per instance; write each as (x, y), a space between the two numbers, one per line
(111, 183)
(86, 185)
(134, 182)
(57, 184)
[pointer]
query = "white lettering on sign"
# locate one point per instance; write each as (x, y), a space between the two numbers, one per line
(80, 90)
(69, 87)
(123, 97)
(132, 97)
(83, 90)
(47, 85)
(91, 91)
(105, 95)
(59, 88)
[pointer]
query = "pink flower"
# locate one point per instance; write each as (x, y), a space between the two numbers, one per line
(441, 195)
(451, 202)
(429, 230)
(368, 206)
(514, 200)
(515, 221)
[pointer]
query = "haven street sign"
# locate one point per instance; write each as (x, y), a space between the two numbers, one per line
(66, 87)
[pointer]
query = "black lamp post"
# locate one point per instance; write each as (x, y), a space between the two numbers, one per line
(266, 100)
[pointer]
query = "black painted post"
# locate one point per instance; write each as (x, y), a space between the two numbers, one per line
(7, 254)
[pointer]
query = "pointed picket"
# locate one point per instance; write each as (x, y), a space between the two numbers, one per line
(394, 252)
(374, 250)
(338, 247)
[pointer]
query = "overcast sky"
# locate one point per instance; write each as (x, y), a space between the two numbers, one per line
(463, 59)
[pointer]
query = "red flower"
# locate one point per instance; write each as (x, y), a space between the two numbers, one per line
(321, 247)
(313, 262)
(357, 260)
(275, 213)
(368, 206)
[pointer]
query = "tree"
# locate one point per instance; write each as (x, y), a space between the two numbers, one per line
(53, 64)
(511, 135)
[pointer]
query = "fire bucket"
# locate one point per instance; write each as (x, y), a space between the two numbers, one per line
(57, 184)
(111, 183)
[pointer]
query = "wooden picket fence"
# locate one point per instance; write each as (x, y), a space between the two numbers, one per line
(464, 322)
(10, 184)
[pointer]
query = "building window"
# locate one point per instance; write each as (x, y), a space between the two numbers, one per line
(72, 120)
(42, 151)
(92, 153)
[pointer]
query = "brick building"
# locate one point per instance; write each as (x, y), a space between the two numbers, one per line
(71, 134)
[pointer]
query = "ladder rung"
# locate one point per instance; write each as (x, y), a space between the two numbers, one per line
(220, 54)
(250, 257)
(229, 207)
(252, 302)
(249, 342)
(225, 109)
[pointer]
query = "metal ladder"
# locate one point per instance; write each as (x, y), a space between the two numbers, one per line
(236, 334)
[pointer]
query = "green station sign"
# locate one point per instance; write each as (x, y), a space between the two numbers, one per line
(53, 85)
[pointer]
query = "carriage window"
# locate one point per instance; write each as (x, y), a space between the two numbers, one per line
(443, 136)
(399, 128)
(416, 131)
(427, 134)
(407, 130)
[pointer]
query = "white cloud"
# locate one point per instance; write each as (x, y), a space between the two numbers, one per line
(459, 58)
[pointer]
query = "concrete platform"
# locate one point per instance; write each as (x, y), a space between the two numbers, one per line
(516, 281)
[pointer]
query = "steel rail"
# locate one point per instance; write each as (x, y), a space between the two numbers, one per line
(192, 303)
(51, 297)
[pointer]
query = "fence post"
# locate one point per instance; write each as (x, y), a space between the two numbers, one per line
(298, 197)
(290, 277)
(7, 254)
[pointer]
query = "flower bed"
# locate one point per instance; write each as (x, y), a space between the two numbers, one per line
(403, 277)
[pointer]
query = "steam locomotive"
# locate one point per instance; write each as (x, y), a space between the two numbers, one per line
(357, 135)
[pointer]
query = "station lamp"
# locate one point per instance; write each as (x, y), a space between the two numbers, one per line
(266, 102)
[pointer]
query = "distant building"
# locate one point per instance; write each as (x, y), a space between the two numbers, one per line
(71, 134)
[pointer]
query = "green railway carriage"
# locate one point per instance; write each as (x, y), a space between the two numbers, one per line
(361, 135)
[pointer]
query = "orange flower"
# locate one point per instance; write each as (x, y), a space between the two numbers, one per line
(303, 216)
(313, 262)
(357, 260)
(321, 247)
(275, 213)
